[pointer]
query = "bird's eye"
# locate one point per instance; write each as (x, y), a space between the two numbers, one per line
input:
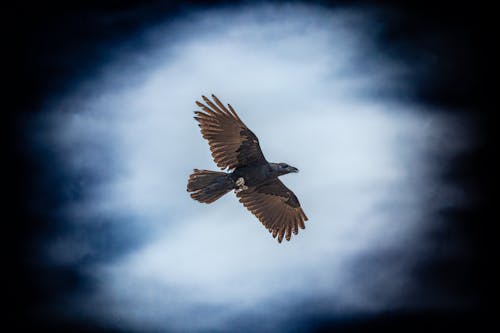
(284, 166)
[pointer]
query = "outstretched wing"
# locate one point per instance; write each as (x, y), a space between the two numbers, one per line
(276, 207)
(232, 144)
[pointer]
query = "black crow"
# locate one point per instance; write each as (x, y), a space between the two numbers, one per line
(255, 181)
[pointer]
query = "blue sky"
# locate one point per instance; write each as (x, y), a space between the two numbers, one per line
(308, 83)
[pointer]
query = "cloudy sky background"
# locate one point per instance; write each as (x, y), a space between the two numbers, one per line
(310, 84)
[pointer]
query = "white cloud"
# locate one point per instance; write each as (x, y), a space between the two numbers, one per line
(292, 73)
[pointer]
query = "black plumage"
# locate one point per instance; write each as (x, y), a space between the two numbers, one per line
(236, 148)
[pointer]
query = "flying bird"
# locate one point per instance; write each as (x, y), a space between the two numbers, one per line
(235, 148)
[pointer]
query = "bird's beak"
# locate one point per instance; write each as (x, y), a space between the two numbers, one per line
(292, 169)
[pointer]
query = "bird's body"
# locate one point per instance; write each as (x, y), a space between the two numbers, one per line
(254, 180)
(253, 174)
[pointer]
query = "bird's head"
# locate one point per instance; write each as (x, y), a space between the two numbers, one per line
(283, 168)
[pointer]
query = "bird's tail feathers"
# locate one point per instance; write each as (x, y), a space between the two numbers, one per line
(207, 186)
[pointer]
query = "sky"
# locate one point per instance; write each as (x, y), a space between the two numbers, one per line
(310, 82)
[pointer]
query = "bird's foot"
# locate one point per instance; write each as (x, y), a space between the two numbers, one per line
(240, 181)
(241, 185)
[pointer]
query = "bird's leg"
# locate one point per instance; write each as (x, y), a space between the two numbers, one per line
(241, 185)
